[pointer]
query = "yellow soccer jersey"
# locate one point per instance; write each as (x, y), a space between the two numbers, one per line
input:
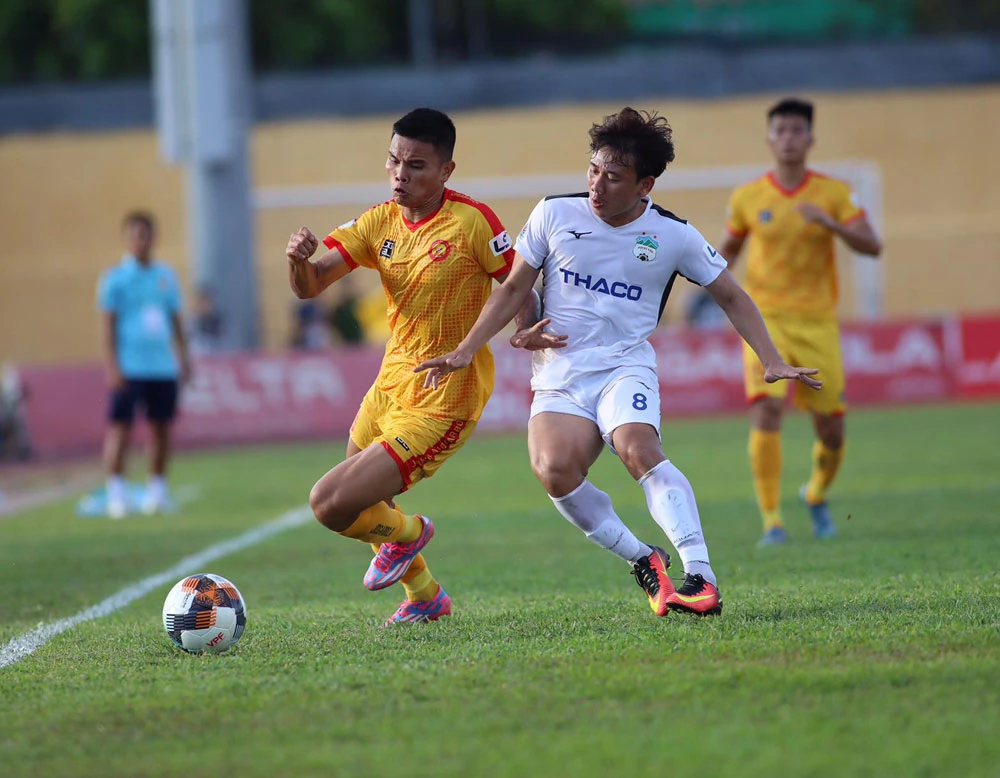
(437, 274)
(791, 265)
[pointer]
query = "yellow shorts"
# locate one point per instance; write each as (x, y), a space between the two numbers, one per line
(803, 342)
(420, 445)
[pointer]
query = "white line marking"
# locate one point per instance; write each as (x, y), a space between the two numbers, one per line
(28, 643)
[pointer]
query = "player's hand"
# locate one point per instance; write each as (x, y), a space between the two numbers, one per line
(116, 380)
(535, 338)
(187, 373)
(439, 367)
(301, 245)
(815, 215)
(783, 372)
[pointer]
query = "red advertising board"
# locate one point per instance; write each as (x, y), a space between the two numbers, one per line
(978, 374)
(300, 396)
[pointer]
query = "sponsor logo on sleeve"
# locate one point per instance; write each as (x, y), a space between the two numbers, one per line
(711, 251)
(387, 248)
(501, 243)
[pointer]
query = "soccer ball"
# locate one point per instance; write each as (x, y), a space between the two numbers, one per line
(204, 612)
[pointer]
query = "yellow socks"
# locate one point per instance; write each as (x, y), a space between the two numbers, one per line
(765, 464)
(826, 463)
(382, 524)
(418, 583)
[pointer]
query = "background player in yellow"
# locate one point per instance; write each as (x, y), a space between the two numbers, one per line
(791, 216)
(437, 252)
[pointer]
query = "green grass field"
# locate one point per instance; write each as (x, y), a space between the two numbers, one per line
(875, 654)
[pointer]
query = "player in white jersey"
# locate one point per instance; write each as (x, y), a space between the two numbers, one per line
(609, 257)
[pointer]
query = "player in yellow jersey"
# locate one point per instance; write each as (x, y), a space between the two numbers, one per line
(792, 216)
(437, 253)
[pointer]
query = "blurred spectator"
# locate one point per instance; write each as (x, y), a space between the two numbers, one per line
(703, 312)
(310, 330)
(15, 441)
(147, 359)
(206, 335)
(344, 315)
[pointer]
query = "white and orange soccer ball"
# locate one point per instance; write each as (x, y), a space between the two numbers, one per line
(205, 613)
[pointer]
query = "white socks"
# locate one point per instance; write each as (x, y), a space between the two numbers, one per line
(156, 489)
(670, 499)
(590, 509)
(116, 489)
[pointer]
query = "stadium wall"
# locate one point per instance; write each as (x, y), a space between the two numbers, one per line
(295, 396)
(63, 196)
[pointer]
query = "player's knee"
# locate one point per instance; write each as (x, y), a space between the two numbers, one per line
(639, 458)
(832, 438)
(328, 508)
(557, 475)
(767, 414)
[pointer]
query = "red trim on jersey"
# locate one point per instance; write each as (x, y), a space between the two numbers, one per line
(856, 218)
(504, 270)
(789, 192)
(399, 463)
(753, 398)
(496, 226)
(413, 226)
(332, 243)
(737, 234)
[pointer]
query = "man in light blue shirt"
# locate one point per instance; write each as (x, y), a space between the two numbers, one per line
(147, 358)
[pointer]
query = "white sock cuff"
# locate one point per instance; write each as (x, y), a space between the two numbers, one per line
(572, 494)
(651, 472)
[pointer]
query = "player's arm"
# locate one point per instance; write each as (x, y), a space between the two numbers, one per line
(308, 278)
(109, 337)
(182, 349)
(730, 246)
(503, 305)
(858, 233)
(746, 318)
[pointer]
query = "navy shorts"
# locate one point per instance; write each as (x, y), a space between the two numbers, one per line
(157, 397)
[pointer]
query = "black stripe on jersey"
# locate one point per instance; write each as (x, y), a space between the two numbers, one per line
(666, 292)
(669, 215)
(576, 194)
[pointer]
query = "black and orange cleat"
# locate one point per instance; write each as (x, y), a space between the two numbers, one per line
(696, 596)
(651, 574)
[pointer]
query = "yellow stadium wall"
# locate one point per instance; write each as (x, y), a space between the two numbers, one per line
(63, 195)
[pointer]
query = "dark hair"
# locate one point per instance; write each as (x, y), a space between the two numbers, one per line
(642, 140)
(792, 106)
(139, 217)
(429, 126)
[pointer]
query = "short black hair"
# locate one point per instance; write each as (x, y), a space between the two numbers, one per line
(429, 126)
(792, 106)
(139, 217)
(643, 140)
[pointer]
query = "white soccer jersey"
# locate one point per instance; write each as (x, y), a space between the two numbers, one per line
(605, 287)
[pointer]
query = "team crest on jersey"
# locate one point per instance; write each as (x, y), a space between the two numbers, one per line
(645, 247)
(387, 248)
(764, 216)
(439, 250)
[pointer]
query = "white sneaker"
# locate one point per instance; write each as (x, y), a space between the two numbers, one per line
(151, 504)
(117, 509)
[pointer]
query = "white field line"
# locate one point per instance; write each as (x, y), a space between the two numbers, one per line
(28, 643)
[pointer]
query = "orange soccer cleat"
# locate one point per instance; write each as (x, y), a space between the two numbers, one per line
(651, 574)
(696, 596)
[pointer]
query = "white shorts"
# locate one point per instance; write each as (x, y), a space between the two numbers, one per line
(627, 395)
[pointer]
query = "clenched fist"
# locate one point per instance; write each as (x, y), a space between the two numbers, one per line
(301, 245)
